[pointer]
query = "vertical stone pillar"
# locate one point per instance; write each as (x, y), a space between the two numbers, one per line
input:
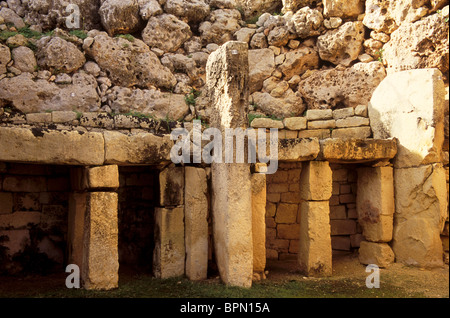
(375, 206)
(196, 219)
(409, 106)
(227, 78)
(315, 252)
(93, 225)
(420, 212)
(259, 223)
(169, 253)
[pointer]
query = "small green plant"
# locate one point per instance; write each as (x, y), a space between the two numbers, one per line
(191, 98)
(137, 115)
(241, 10)
(79, 114)
(253, 20)
(252, 117)
(49, 111)
(5, 35)
(278, 13)
(128, 37)
(7, 110)
(81, 34)
(30, 34)
(380, 55)
(32, 46)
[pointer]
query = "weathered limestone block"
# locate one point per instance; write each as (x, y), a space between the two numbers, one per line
(142, 148)
(303, 149)
(423, 44)
(357, 150)
(6, 203)
(171, 183)
(55, 53)
(5, 57)
(343, 8)
(288, 104)
(227, 81)
(299, 61)
(409, 106)
(316, 181)
(379, 254)
(18, 220)
(254, 7)
(169, 252)
(29, 95)
(294, 5)
(315, 252)
(192, 10)
(24, 59)
(18, 240)
(102, 177)
(259, 222)
(222, 24)
(166, 33)
(342, 45)
(350, 87)
(420, 213)
(120, 16)
(128, 63)
(100, 247)
(375, 203)
(261, 66)
(306, 22)
(295, 123)
(196, 219)
(267, 123)
(51, 147)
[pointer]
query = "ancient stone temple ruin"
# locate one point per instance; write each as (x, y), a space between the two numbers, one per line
(87, 175)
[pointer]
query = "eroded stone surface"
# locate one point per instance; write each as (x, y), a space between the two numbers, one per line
(409, 106)
(379, 254)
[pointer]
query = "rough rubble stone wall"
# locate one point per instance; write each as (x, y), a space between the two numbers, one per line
(33, 217)
(149, 57)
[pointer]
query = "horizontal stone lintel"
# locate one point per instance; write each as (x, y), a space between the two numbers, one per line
(43, 146)
(357, 150)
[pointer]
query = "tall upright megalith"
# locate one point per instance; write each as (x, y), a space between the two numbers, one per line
(227, 77)
(409, 106)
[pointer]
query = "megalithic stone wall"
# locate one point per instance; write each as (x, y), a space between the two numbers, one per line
(227, 78)
(409, 106)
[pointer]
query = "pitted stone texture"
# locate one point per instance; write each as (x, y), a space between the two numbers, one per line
(316, 181)
(102, 177)
(347, 87)
(120, 16)
(160, 105)
(57, 54)
(128, 63)
(423, 44)
(398, 110)
(343, 8)
(166, 33)
(315, 253)
(297, 149)
(306, 22)
(299, 61)
(420, 213)
(192, 10)
(289, 104)
(149, 8)
(196, 219)
(342, 45)
(221, 26)
(375, 203)
(255, 7)
(379, 254)
(101, 238)
(51, 147)
(169, 253)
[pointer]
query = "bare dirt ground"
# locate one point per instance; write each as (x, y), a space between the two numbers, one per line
(432, 283)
